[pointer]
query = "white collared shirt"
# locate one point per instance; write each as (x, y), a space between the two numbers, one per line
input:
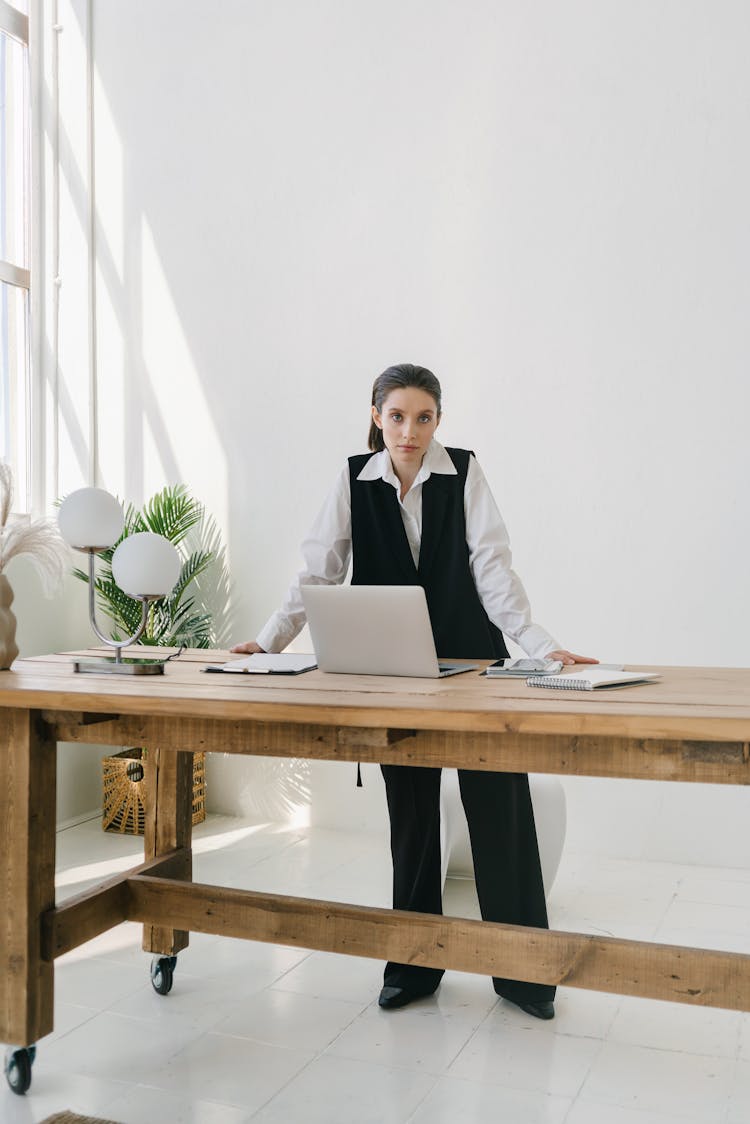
(327, 551)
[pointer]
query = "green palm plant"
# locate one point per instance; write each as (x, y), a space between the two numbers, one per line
(182, 617)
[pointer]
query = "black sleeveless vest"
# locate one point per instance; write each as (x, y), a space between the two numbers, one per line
(381, 556)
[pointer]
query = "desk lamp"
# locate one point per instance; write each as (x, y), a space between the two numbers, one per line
(145, 566)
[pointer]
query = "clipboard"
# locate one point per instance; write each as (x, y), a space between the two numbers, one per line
(267, 663)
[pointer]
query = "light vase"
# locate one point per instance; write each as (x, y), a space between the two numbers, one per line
(8, 646)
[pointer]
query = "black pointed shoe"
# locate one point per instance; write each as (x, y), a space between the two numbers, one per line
(392, 997)
(544, 1009)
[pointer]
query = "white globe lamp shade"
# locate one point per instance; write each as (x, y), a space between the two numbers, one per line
(146, 565)
(91, 519)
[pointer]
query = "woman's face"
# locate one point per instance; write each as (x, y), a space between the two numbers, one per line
(408, 419)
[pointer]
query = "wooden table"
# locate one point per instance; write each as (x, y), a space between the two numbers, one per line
(692, 725)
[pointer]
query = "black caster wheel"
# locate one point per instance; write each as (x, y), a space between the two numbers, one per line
(18, 1065)
(162, 973)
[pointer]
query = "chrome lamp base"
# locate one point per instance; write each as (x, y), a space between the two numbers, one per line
(108, 665)
(117, 664)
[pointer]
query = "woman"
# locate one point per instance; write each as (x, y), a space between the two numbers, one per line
(411, 511)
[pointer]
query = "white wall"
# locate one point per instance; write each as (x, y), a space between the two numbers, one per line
(544, 203)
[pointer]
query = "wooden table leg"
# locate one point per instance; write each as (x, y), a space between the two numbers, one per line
(27, 874)
(168, 775)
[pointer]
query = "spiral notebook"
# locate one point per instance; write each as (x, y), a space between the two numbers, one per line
(591, 679)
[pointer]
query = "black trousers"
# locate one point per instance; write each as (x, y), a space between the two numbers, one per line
(504, 848)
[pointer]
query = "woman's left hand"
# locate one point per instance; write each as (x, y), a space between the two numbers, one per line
(569, 657)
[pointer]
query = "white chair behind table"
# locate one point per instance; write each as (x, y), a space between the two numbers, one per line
(548, 800)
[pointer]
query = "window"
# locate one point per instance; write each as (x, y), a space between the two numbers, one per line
(15, 278)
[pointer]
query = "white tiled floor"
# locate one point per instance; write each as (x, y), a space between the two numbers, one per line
(267, 1034)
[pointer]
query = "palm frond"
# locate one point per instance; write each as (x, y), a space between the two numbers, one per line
(134, 524)
(179, 615)
(192, 567)
(172, 512)
(124, 612)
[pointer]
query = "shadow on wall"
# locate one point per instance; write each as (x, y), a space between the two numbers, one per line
(215, 592)
(264, 789)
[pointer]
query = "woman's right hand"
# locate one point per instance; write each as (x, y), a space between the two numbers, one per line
(249, 648)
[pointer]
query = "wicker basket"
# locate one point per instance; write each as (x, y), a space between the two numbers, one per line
(124, 792)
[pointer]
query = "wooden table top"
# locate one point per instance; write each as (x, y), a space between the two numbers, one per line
(687, 702)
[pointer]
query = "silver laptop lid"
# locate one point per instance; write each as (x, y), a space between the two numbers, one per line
(371, 629)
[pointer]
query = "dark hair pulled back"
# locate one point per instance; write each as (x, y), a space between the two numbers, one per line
(400, 377)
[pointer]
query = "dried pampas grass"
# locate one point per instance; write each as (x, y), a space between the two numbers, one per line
(37, 538)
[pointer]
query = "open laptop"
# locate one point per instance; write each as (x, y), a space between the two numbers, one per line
(374, 630)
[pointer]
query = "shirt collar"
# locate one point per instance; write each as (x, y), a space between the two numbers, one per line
(436, 459)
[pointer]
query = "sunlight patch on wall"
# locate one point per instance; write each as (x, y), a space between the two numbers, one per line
(110, 187)
(182, 441)
(113, 388)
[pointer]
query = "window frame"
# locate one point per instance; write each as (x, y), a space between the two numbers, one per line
(15, 25)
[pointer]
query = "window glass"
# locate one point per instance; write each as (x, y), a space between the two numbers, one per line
(13, 152)
(14, 372)
(14, 248)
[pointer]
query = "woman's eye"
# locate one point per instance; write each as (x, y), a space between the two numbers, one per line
(396, 417)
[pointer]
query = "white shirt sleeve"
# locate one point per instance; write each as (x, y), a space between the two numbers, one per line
(326, 552)
(499, 588)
